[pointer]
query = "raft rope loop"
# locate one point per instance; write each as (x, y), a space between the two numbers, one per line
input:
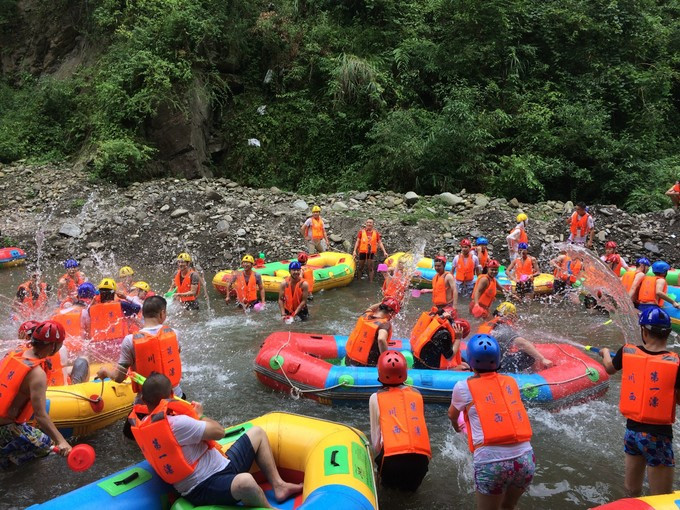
(77, 395)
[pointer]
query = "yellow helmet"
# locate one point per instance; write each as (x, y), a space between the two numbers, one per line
(142, 286)
(522, 217)
(248, 258)
(125, 271)
(184, 256)
(506, 308)
(316, 208)
(107, 284)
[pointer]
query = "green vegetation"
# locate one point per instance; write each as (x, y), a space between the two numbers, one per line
(536, 99)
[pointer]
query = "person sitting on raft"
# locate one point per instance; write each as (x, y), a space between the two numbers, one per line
(124, 282)
(632, 278)
(398, 430)
(139, 292)
(371, 334)
(108, 320)
(652, 291)
(177, 435)
(650, 384)
(293, 293)
(247, 284)
(498, 428)
(519, 354)
(444, 289)
(465, 266)
(566, 270)
(23, 377)
(485, 290)
(397, 279)
(522, 271)
(437, 345)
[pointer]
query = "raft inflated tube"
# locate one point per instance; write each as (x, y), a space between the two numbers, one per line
(661, 502)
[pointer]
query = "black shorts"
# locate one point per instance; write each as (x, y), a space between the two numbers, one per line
(524, 287)
(303, 313)
(365, 256)
(404, 471)
(559, 286)
(190, 305)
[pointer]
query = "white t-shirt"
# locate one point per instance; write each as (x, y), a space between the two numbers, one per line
(454, 262)
(460, 399)
(127, 355)
(189, 433)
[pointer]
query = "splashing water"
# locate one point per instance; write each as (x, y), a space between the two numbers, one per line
(408, 269)
(40, 240)
(199, 269)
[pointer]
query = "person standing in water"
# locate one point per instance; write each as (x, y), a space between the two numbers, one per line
(517, 235)
(367, 244)
(70, 281)
(247, 284)
(187, 283)
(465, 266)
(649, 394)
(293, 293)
(444, 289)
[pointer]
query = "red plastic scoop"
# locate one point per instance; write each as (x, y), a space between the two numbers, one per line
(81, 457)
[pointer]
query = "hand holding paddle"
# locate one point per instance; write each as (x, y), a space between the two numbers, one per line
(80, 458)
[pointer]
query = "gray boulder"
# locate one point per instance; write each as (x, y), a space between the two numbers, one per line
(69, 230)
(450, 198)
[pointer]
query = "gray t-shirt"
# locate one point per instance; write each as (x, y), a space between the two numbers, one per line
(504, 335)
(189, 433)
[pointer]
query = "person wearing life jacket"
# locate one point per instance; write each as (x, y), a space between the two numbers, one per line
(32, 297)
(367, 244)
(69, 282)
(437, 346)
(522, 271)
(108, 320)
(124, 282)
(179, 442)
(444, 289)
(293, 293)
(485, 290)
(313, 231)
(517, 235)
(649, 393)
(23, 385)
(652, 291)
(518, 353)
(187, 283)
(71, 317)
(465, 266)
(371, 334)
(566, 270)
(307, 273)
(482, 252)
(397, 279)
(612, 259)
(139, 291)
(498, 427)
(247, 285)
(632, 278)
(399, 433)
(674, 194)
(581, 226)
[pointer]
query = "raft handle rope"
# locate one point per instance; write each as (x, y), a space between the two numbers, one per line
(88, 399)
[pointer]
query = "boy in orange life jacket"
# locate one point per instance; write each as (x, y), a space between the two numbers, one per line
(212, 478)
(498, 428)
(368, 242)
(649, 393)
(246, 284)
(398, 430)
(186, 282)
(293, 293)
(23, 380)
(371, 334)
(674, 193)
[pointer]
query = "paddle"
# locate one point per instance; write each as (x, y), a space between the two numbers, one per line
(80, 458)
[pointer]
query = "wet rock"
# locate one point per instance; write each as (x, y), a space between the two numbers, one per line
(275, 190)
(69, 230)
(568, 206)
(178, 212)
(601, 236)
(339, 206)
(669, 213)
(451, 199)
(652, 248)
(300, 205)
(165, 208)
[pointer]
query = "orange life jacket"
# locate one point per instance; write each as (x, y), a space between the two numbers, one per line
(628, 278)
(54, 370)
(523, 238)
(487, 327)
(648, 386)
(483, 257)
(70, 320)
(524, 267)
(122, 286)
(71, 285)
(487, 297)
(157, 353)
(158, 443)
(439, 290)
(365, 242)
(14, 368)
(676, 188)
(292, 298)
(502, 415)
(647, 291)
(317, 228)
(579, 224)
(425, 337)
(395, 286)
(308, 276)
(363, 336)
(107, 321)
(402, 422)
(184, 285)
(28, 305)
(246, 292)
(421, 325)
(568, 270)
(616, 268)
(465, 268)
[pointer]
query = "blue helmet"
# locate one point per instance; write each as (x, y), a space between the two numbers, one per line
(86, 290)
(71, 263)
(654, 317)
(660, 267)
(294, 265)
(483, 353)
(482, 241)
(643, 261)
(522, 246)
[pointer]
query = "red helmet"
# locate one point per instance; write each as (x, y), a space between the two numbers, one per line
(610, 244)
(302, 257)
(49, 331)
(451, 311)
(613, 258)
(392, 367)
(463, 324)
(27, 327)
(465, 242)
(493, 264)
(392, 304)
(440, 258)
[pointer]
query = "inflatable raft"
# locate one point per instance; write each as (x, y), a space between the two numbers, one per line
(308, 365)
(422, 278)
(672, 276)
(331, 460)
(10, 257)
(674, 313)
(331, 269)
(661, 502)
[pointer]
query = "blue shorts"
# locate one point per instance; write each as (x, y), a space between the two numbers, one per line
(216, 490)
(656, 449)
(465, 288)
(495, 478)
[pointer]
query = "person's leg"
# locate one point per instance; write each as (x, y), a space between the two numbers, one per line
(634, 444)
(524, 467)
(360, 265)
(660, 479)
(488, 501)
(311, 247)
(244, 488)
(370, 263)
(490, 484)
(660, 464)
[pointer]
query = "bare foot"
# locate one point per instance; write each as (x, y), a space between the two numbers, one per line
(286, 490)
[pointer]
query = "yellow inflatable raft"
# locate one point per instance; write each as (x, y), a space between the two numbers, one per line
(331, 269)
(661, 502)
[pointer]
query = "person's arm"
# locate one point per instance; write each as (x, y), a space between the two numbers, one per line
(303, 230)
(556, 262)
(374, 416)
(607, 361)
(636, 284)
(591, 224)
(454, 289)
(303, 302)
(37, 386)
(671, 191)
(282, 298)
(453, 417)
(529, 348)
(382, 340)
(510, 271)
(660, 294)
(534, 266)
(478, 268)
(382, 247)
(116, 373)
(356, 246)
(479, 290)
(260, 287)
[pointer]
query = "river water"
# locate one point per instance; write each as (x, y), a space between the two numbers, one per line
(579, 450)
